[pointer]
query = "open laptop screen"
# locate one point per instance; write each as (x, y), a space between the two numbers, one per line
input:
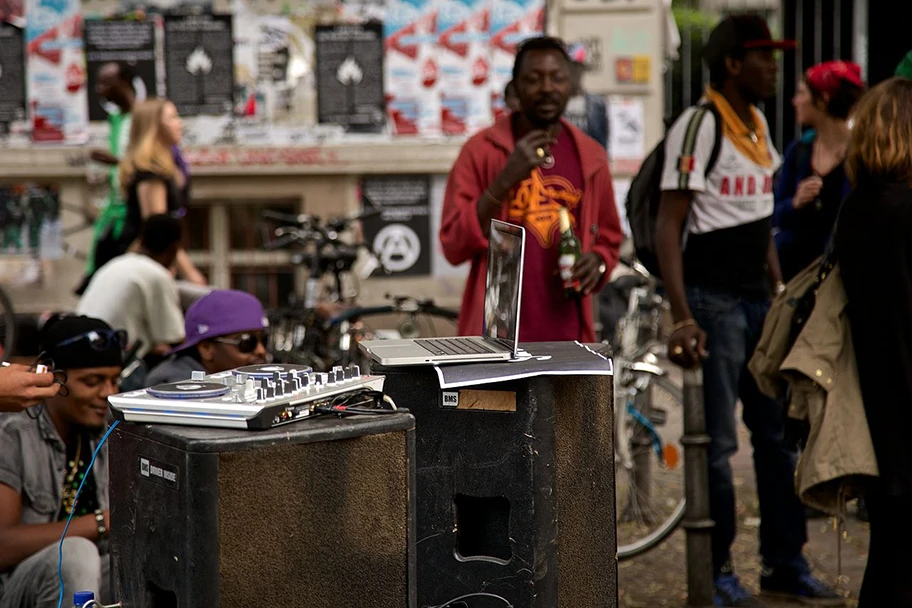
(506, 245)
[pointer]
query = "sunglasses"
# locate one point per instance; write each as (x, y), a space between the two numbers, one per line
(100, 339)
(245, 343)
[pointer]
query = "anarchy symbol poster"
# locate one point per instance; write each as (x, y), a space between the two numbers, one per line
(199, 52)
(400, 236)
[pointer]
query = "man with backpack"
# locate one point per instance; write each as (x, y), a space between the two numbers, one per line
(718, 261)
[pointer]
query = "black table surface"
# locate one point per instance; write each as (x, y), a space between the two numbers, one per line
(308, 430)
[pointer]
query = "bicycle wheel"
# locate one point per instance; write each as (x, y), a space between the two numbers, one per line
(649, 468)
(7, 326)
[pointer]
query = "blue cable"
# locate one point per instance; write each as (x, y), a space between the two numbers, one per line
(73, 510)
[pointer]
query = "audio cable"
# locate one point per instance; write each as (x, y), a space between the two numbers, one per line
(66, 528)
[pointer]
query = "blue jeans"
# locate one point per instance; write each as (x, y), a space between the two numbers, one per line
(733, 325)
(34, 582)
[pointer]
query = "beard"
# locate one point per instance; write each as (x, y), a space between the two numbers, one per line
(541, 122)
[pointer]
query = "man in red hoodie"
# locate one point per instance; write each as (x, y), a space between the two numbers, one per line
(522, 170)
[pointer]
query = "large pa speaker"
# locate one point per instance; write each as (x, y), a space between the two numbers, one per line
(315, 514)
(515, 484)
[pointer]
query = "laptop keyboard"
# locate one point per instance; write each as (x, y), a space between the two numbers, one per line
(454, 346)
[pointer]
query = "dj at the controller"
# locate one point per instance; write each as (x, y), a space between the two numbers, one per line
(252, 397)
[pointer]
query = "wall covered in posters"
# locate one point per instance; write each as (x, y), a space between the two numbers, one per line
(293, 74)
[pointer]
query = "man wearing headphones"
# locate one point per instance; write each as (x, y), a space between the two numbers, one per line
(45, 453)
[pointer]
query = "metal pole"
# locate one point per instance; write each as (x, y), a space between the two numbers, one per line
(696, 489)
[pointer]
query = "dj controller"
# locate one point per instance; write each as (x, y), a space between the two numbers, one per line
(251, 397)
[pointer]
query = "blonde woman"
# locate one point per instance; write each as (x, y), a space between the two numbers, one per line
(151, 179)
(874, 250)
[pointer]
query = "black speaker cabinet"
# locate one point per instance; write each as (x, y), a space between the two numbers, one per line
(515, 485)
(315, 514)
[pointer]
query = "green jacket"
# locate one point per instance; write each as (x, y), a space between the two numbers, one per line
(904, 68)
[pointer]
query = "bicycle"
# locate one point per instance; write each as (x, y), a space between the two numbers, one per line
(302, 332)
(649, 475)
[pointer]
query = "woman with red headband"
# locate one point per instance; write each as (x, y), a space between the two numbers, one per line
(813, 184)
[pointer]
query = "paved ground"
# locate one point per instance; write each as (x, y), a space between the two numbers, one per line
(657, 579)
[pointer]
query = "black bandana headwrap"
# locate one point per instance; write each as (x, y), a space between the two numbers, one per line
(82, 342)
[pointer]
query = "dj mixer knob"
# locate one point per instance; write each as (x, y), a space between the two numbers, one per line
(291, 382)
(274, 382)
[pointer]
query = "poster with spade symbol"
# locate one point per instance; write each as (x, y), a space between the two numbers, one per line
(350, 76)
(200, 63)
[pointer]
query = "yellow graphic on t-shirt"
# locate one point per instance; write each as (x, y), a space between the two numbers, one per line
(536, 201)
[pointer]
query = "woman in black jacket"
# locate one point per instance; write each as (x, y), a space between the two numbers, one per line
(874, 249)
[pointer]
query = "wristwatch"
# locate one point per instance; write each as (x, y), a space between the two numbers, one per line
(100, 523)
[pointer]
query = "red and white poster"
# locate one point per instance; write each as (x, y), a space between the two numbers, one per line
(511, 22)
(56, 81)
(12, 11)
(412, 68)
(465, 65)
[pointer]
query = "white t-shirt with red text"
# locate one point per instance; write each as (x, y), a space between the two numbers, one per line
(728, 230)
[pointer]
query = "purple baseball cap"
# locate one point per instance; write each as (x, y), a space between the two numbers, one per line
(219, 313)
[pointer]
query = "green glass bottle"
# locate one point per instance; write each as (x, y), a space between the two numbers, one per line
(569, 252)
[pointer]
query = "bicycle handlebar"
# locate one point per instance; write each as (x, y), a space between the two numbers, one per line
(283, 241)
(341, 223)
(634, 264)
(301, 219)
(426, 307)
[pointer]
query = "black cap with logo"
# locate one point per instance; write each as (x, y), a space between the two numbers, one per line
(738, 34)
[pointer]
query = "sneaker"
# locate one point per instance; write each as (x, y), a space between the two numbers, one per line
(730, 593)
(802, 587)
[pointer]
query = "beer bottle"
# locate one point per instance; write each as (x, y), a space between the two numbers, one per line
(569, 252)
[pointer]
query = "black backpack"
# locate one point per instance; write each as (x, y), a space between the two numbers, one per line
(645, 190)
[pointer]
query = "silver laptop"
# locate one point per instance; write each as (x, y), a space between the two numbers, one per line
(503, 288)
